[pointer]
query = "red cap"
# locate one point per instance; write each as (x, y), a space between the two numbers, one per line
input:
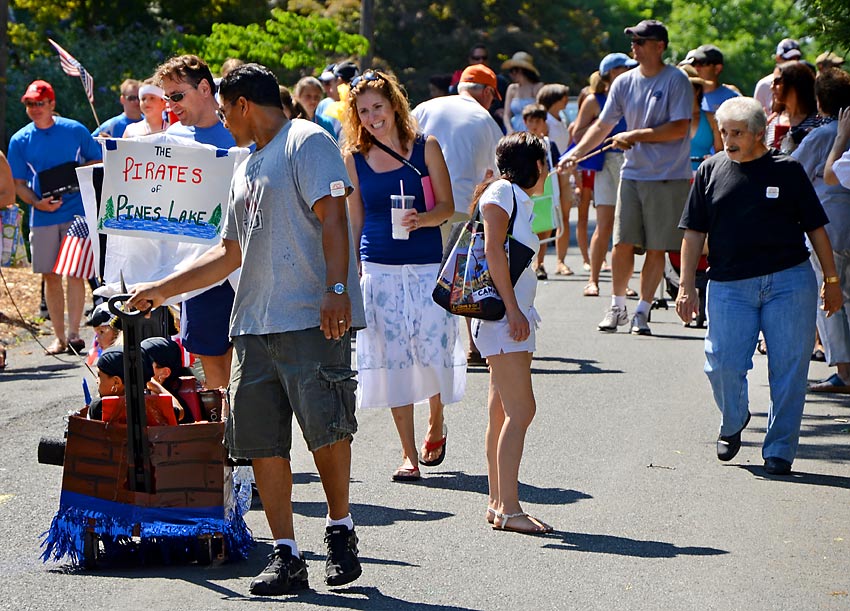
(39, 90)
(480, 75)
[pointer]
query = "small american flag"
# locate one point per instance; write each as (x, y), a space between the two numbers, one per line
(75, 257)
(72, 67)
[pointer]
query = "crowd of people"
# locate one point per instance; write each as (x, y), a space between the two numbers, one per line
(321, 223)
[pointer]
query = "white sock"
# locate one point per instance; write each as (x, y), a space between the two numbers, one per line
(642, 307)
(618, 300)
(290, 542)
(346, 521)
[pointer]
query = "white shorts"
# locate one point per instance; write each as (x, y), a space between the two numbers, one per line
(608, 180)
(493, 337)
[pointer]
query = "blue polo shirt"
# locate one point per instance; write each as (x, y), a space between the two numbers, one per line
(114, 127)
(33, 150)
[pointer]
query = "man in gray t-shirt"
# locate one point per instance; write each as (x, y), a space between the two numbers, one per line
(657, 103)
(287, 228)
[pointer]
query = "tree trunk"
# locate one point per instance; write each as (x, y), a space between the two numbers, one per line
(367, 30)
(4, 57)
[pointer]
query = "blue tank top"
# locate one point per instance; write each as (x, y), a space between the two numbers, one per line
(425, 245)
(702, 143)
(517, 104)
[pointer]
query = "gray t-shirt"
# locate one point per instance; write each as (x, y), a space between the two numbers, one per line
(650, 102)
(812, 154)
(271, 215)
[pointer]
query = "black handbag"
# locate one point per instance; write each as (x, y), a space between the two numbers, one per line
(464, 286)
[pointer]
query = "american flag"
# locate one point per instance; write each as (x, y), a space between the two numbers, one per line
(72, 67)
(75, 257)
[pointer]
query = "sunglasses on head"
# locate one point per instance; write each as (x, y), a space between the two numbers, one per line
(368, 76)
(31, 104)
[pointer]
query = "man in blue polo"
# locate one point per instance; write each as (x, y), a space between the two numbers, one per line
(114, 127)
(52, 145)
(707, 60)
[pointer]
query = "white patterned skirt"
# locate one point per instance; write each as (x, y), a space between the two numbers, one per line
(411, 348)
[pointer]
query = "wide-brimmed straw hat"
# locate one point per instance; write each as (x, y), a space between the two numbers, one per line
(521, 59)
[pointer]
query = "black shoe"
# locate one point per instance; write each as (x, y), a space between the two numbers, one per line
(284, 573)
(777, 466)
(342, 565)
(728, 446)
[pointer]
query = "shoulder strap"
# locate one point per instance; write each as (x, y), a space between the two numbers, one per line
(392, 153)
(513, 212)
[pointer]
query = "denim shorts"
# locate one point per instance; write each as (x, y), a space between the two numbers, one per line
(275, 376)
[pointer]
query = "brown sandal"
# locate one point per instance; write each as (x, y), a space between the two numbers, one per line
(591, 289)
(57, 347)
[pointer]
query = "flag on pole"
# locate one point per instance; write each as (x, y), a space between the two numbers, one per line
(72, 67)
(75, 257)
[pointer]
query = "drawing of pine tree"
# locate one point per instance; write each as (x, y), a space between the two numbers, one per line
(108, 213)
(215, 218)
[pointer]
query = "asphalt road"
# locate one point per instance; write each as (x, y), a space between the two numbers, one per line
(620, 460)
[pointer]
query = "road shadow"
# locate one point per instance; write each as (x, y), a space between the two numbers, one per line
(359, 597)
(623, 546)
(583, 366)
(800, 477)
(372, 515)
(463, 482)
(12, 373)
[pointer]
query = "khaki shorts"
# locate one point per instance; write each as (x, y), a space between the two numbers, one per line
(277, 375)
(648, 213)
(45, 244)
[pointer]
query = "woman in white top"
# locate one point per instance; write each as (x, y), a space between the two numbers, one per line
(508, 343)
(152, 103)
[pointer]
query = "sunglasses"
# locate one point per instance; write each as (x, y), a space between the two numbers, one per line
(639, 42)
(478, 58)
(39, 104)
(368, 76)
(177, 97)
(131, 98)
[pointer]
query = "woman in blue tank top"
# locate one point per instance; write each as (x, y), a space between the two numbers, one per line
(411, 350)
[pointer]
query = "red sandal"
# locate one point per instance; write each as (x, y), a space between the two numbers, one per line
(430, 446)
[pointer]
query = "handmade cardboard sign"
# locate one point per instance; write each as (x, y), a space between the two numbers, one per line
(165, 191)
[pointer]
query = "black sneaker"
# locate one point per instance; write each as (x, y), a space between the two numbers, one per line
(284, 573)
(342, 565)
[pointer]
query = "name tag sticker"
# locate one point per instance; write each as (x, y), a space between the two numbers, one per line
(337, 188)
(772, 193)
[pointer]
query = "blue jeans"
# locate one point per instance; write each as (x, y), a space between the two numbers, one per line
(782, 306)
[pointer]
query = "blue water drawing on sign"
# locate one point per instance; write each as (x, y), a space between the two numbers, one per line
(163, 226)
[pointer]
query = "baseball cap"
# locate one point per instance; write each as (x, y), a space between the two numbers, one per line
(829, 58)
(615, 60)
(102, 316)
(648, 28)
(788, 48)
(480, 75)
(346, 71)
(39, 90)
(328, 73)
(708, 54)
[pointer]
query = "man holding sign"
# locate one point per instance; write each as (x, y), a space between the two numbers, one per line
(287, 228)
(190, 90)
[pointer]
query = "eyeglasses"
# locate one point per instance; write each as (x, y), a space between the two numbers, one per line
(177, 97)
(478, 58)
(38, 104)
(132, 98)
(368, 76)
(699, 64)
(639, 42)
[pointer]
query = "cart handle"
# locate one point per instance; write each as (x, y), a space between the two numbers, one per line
(123, 314)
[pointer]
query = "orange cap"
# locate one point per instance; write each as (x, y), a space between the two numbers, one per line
(480, 75)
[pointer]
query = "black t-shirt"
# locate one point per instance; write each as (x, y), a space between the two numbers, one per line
(755, 214)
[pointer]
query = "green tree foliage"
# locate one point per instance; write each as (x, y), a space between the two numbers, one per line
(289, 44)
(832, 23)
(748, 49)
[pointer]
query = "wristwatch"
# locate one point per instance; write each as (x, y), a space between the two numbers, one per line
(338, 288)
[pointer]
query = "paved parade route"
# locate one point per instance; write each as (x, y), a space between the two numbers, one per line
(620, 460)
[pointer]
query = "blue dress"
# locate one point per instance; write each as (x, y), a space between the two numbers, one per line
(377, 245)
(517, 104)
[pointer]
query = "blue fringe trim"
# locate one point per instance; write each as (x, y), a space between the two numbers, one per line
(167, 534)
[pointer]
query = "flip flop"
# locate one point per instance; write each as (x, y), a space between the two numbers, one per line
(57, 347)
(544, 529)
(833, 383)
(631, 293)
(430, 446)
(591, 289)
(407, 474)
(76, 346)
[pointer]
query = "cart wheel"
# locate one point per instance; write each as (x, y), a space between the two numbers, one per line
(91, 549)
(210, 549)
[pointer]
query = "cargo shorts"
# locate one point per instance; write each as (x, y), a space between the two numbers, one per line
(277, 375)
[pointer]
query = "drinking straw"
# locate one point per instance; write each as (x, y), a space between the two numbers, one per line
(401, 186)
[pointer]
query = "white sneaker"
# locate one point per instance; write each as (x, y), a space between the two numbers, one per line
(616, 316)
(640, 324)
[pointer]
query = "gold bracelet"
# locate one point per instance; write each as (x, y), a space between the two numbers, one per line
(831, 280)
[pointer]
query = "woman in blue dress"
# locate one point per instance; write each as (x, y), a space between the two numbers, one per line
(411, 350)
(523, 90)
